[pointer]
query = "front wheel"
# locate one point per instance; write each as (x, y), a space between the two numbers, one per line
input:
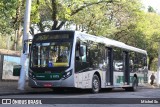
(95, 84)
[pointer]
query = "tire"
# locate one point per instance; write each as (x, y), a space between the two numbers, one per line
(95, 84)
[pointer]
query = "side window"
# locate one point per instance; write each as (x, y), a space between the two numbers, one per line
(78, 56)
(93, 55)
(34, 55)
(77, 53)
(118, 60)
(145, 60)
(132, 62)
(81, 56)
(84, 57)
(96, 55)
(137, 62)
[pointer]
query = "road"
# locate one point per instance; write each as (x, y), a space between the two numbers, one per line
(116, 94)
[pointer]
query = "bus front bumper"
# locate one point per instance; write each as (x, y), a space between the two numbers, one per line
(69, 82)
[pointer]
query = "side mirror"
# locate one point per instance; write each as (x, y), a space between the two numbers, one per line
(81, 51)
(30, 48)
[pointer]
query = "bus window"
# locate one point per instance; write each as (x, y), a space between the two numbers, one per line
(84, 58)
(54, 54)
(139, 62)
(144, 61)
(77, 51)
(34, 58)
(44, 56)
(81, 60)
(118, 60)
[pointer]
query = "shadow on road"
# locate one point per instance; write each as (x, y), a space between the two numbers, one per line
(77, 91)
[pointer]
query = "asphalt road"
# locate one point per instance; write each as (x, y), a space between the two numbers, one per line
(113, 98)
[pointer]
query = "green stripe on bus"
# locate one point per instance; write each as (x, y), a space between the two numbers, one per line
(48, 76)
(121, 79)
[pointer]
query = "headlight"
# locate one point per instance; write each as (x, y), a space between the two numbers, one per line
(67, 74)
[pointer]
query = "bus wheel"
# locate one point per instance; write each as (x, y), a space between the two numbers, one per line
(95, 84)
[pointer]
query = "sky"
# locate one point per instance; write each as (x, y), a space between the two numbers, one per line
(154, 3)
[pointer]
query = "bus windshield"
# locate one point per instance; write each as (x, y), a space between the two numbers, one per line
(50, 54)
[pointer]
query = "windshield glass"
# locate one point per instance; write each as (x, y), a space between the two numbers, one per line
(51, 54)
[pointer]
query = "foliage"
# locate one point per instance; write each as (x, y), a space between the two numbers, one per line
(151, 9)
(7, 10)
(122, 20)
(149, 25)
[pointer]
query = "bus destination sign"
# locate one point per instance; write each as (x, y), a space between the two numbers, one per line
(51, 37)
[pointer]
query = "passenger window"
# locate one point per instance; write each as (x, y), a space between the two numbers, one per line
(84, 57)
(81, 56)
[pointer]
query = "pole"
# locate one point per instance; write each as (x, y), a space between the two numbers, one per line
(22, 79)
(158, 70)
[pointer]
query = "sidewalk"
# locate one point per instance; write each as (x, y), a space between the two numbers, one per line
(147, 85)
(10, 88)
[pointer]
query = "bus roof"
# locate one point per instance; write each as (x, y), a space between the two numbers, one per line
(109, 42)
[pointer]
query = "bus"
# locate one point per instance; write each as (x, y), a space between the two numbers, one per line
(61, 59)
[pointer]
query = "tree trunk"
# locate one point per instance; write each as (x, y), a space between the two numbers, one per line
(18, 35)
(40, 25)
(18, 28)
(54, 15)
(150, 62)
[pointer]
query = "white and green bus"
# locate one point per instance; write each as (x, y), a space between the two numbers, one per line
(71, 59)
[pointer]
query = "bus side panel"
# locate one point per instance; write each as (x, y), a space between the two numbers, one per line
(84, 79)
(140, 78)
(69, 82)
(118, 79)
(103, 79)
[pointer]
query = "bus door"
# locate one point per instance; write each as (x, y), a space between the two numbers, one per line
(126, 68)
(109, 69)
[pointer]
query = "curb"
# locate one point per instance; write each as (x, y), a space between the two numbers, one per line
(21, 93)
(12, 93)
(149, 86)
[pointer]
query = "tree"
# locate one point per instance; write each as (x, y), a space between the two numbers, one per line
(11, 17)
(17, 24)
(151, 9)
(149, 25)
(122, 20)
(55, 13)
(7, 11)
